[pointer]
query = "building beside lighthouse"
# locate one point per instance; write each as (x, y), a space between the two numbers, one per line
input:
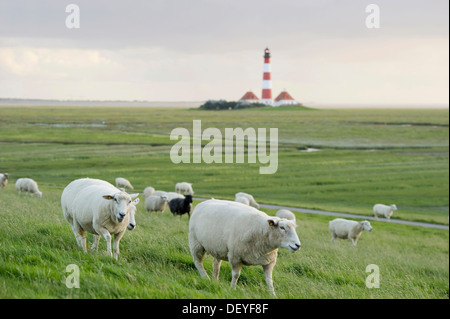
(284, 98)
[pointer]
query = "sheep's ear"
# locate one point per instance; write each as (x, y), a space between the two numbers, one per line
(109, 197)
(272, 222)
(134, 195)
(136, 201)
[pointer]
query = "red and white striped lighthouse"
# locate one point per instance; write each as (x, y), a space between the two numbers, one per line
(266, 97)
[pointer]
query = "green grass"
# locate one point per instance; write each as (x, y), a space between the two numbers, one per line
(367, 156)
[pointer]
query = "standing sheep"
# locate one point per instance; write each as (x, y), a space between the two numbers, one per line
(184, 188)
(3, 179)
(284, 213)
(384, 210)
(99, 208)
(148, 191)
(156, 203)
(348, 229)
(29, 186)
(180, 206)
(250, 198)
(122, 182)
(241, 235)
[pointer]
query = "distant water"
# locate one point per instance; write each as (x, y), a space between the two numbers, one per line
(36, 102)
(195, 104)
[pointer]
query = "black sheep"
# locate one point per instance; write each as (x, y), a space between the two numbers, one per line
(180, 206)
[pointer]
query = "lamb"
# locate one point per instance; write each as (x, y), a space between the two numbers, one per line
(184, 188)
(180, 206)
(384, 210)
(122, 182)
(148, 191)
(97, 207)
(156, 203)
(284, 213)
(250, 198)
(241, 235)
(28, 185)
(348, 229)
(3, 179)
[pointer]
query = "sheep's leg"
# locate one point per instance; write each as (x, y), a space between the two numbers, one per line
(268, 269)
(354, 241)
(116, 241)
(333, 237)
(216, 268)
(105, 234)
(198, 253)
(80, 235)
(95, 243)
(235, 271)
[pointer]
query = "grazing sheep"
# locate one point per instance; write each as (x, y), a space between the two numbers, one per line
(29, 186)
(122, 182)
(156, 203)
(184, 188)
(284, 213)
(242, 200)
(250, 198)
(241, 235)
(148, 191)
(384, 210)
(99, 208)
(180, 206)
(3, 179)
(348, 229)
(172, 195)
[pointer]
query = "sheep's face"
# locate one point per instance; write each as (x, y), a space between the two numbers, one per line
(285, 231)
(132, 220)
(121, 204)
(393, 207)
(366, 225)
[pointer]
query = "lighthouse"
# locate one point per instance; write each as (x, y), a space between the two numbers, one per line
(266, 97)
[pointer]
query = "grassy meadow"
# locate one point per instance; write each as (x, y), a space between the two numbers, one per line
(365, 157)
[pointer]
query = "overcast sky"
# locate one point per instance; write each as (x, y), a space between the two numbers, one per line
(195, 50)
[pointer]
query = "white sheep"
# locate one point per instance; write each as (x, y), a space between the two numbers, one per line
(122, 182)
(97, 207)
(156, 203)
(240, 234)
(242, 200)
(172, 195)
(148, 191)
(285, 213)
(131, 223)
(29, 186)
(3, 179)
(348, 229)
(250, 198)
(184, 188)
(384, 210)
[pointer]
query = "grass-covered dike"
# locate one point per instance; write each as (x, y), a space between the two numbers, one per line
(363, 157)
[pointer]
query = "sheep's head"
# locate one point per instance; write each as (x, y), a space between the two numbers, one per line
(393, 207)
(121, 204)
(284, 231)
(132, 221)
(366, 225)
